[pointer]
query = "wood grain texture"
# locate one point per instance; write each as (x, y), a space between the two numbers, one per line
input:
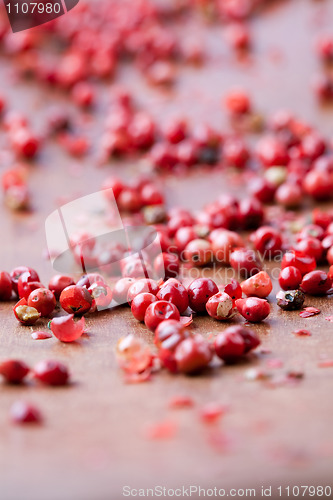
(92, 443)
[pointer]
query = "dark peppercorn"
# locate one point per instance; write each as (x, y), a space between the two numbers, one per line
(290, 300)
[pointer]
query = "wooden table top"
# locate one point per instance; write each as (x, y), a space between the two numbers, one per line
(93, 442)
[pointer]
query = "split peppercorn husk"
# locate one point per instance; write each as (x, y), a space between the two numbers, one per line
(290, 300)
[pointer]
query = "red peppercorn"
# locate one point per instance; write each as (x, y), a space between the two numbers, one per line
(251, 213)
(89, 279)
(176, 130)
(141, 131)
(183, 236)
(140, 304)
(262, 189)
(173, 291)
(233, 289)
(234, 342)
(43, 300)
(168, 335)
(289, 195)
(290, 278)
(65, 329)
(75, 300)
(316, 283)
(325, 48)
(187, 153)
(198, 252)
(304, 263)
(121, 288)
(113, 187)
(271, 152)
(259, 285)
(312, 146)
(134, 267)
(193, 355)
(238, 36)
(144, 285)
(238, 102)
(25, 413)
(17, 273)
(5, 286)
(311, 247)
(199, 291)
(245, 262)
(24, 142)
(220, 306)
(151, 195)
(223, 244)
(267, 241)
(25, 314)
(178, 220)
(319, 185)
(253, 309)
(83, 94)
(230, 345)
(14, 371)
(129, 200)
(51, 372)
(58, 283)
(166, 265)
(158, 312)
(235, 153)
(323, 87)
(329, 256)
(163, 156)
(101, 295)
(312, 231)
(326, 243)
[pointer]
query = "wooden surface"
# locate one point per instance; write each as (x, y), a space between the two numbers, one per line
(92, 443)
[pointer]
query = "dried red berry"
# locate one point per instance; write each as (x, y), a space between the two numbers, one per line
(267, 241)
(198, 252)
(158, 312)
(168, 335)
(25, 314)
(245, 262)
(51, 372)
(199, 291)
(294, 258)
(253, 309)
(166, 265)
(121, 288)
(5, 286)
(233, 289)
(316, 283)
(140, 304)
(26, 283)
(220, 306)
(25, 413)
(43, 300)
(173, 291)
(144, 285)
(66, 329)
(75, 299)
(290, 278)
(101, 295)
(58, 283)
(193, 354)
(259, 285)
(14, 371)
